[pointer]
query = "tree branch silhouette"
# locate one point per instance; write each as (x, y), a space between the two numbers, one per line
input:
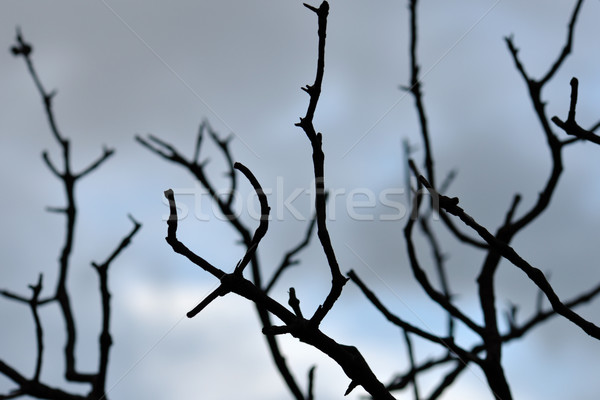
(97, 380)
(196, 168)
(306, 330)
(487, 353)
(453, 355)
(316, 140)
(496, 246)
(348, 357)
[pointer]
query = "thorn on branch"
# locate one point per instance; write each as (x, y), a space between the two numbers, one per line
(204, 163)
(351, 387)
(314, 9)
(295, 303)
(308, 89)
(37, 288)
(49, 97)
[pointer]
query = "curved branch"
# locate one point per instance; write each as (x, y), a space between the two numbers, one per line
(264, 217)
(179, 247)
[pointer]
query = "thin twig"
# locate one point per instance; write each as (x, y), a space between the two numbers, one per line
(411, 363)
(264, 217)
(316, 140)
(446, 342)
(288, 259)
(105, 339)
(39, 333)
(570, 126)
(196, 168)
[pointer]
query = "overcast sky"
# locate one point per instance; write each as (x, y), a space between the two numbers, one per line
(133, 67)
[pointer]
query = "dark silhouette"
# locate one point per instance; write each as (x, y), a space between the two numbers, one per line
(487, 355)
(34, 386)
(454, 357)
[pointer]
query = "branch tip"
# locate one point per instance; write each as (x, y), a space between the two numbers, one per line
(351, 387)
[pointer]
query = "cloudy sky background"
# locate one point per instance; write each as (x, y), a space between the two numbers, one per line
(130, 68)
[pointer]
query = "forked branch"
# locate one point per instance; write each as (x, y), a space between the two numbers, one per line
(97, 380)
(316, 140)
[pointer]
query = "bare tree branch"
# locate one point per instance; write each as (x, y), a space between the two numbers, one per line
(447, 342)
(288, 259)
(570, 126)
(264, 217)
(39, 334)
(536, 276)
(567, 47)
(421, 276)
(96, 380)
(316, 140)
(348, 357)
(105, 340)
(196, 168)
